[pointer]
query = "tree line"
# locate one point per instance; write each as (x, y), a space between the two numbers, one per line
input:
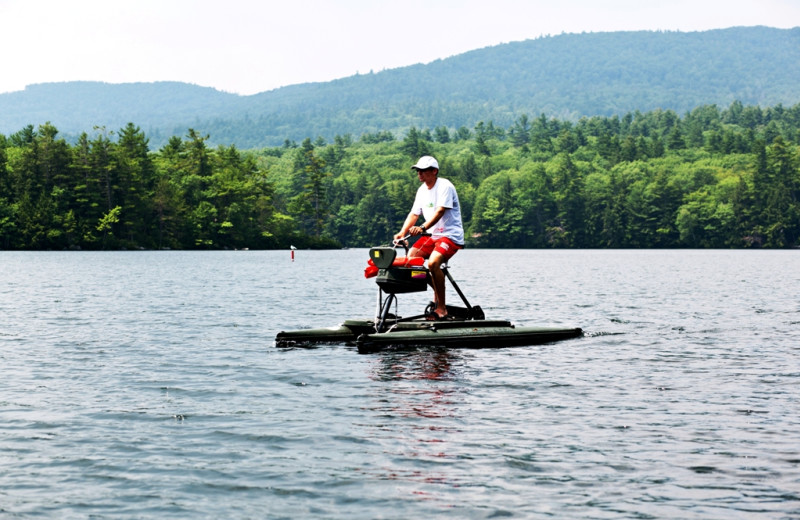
(712, 178)
(110, 191)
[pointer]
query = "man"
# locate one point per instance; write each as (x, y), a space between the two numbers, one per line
(437, 202)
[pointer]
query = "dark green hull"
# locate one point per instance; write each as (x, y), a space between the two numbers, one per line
(456, 334)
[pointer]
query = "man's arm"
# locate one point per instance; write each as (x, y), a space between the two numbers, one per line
(408, 225)
(411, 219)
(435, 218)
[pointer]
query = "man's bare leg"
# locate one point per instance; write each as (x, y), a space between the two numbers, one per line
(437, 280)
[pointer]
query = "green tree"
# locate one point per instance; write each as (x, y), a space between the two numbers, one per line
(415, 144)
(498, 219)
(39, 172)
(482, 136)
(521, 131)
(135, 174)
(781, 188)
(107, 223)
(703, 221)
(567, 230)
(442, 134)
(311, 203)
(5, 181)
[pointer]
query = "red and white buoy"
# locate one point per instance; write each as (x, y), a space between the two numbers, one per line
(292, 248)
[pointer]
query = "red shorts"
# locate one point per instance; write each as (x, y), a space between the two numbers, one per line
(444, 246)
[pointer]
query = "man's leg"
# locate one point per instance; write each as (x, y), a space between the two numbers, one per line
(425, 252)
(423, 247)
(437, 280)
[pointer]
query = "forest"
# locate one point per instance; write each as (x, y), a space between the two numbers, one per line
(710, 178)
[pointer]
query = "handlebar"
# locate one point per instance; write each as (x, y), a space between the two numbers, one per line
(397, 241)
(404, 240)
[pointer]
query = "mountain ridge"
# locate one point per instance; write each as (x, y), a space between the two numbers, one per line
(567, 76)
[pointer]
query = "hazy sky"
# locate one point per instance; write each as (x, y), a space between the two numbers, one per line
(249, 46)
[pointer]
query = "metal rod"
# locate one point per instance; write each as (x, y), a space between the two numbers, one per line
(455, 285)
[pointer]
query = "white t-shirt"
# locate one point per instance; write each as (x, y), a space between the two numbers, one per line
(443, 194)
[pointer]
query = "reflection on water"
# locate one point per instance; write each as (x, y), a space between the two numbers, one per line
(429, 364)
(418, 402)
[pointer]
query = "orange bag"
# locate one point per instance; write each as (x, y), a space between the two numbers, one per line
(372, 270)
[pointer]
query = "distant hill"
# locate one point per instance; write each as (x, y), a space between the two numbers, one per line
(566, 76)
(78, 106)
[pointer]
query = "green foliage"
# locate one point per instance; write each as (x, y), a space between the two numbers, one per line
(110, 191)
(711, 178)
(310, 204)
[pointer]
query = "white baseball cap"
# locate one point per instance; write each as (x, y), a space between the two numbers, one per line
(425, 162)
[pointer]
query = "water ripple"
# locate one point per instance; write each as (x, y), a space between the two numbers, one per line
(146, 385)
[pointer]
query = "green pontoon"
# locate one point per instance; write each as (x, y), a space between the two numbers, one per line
(466, 328)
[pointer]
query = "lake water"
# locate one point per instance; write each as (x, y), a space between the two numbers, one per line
(147, 385)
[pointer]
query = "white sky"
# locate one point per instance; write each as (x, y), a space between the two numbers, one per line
(250, 46)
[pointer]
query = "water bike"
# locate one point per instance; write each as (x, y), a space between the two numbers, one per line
(464, 327)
